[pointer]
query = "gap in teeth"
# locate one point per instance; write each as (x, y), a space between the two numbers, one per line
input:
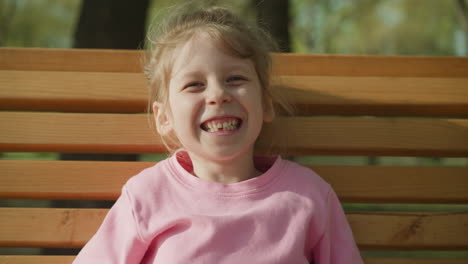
(214, 126)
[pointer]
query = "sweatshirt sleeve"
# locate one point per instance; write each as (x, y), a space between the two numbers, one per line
(118, 239)
(336, 245)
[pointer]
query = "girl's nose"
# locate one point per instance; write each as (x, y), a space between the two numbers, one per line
(217, 94)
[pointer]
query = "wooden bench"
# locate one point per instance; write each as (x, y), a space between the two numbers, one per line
(93, 101)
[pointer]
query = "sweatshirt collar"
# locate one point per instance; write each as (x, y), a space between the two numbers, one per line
(181, 167)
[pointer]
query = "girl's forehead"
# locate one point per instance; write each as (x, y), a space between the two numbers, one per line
(202, 51)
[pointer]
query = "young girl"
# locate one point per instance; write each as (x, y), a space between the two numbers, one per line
(213, 201)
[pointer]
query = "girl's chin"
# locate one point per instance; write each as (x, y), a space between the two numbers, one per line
(223, 155)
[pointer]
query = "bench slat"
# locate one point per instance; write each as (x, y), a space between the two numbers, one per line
(377, 96)
(369, 65)
(48, 227)
(130, 133)
(73, 91)
(284, 64)
(126, 92)
(69, 259)
(93, 180)
(54, 227)
(369, 136)
(414, 261)
(36, 259)
(397, 184)
(45, 59)
(88, 133)
(104, 180)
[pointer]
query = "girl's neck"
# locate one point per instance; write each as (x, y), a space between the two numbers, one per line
(235, 170)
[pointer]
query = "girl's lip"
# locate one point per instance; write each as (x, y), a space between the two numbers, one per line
(221, 118)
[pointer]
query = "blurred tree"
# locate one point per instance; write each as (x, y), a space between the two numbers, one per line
(462, 12)
(375, 27)
(273, 16)
(111, 24)
(7, 12)
(429, 31)
(40, 23)
(318, 26)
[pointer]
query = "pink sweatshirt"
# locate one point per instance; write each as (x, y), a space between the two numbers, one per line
(166, 215)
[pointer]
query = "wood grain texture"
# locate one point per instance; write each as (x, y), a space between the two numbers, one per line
(312, 95)
(283, 63)
(36, 259)
(131, 133)
(51, 227)
(376, 96)
(369, 65)
(103, 181)
(94, 180)
(88, 133)
(45, 59)
(69, 259)
(389, 184)
(73, 91)
(367, 136)
(399, 230)
(54, 227)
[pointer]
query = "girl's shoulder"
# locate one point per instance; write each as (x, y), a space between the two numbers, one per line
(305, 178)
(150, 178)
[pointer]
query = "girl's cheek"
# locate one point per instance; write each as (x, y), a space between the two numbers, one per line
(241, 92)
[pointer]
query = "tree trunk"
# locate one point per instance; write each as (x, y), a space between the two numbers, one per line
(273, 15)
(6, 17)
(462, 12)
(111, 24)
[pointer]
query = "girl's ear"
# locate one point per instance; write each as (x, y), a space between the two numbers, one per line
(268, 111)
(163, 124)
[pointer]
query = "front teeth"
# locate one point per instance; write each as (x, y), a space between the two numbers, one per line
(215, 126)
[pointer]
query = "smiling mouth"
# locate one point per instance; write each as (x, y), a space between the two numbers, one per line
(225, 124)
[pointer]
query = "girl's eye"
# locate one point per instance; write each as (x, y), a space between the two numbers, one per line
(194, 85)
(235, 80)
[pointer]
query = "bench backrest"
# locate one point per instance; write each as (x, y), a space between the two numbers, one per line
(93, 101)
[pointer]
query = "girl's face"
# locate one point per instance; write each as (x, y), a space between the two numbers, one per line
(215, 102)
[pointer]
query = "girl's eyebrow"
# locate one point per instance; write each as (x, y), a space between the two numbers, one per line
(186, 75)
(234, 67)
(193, 74)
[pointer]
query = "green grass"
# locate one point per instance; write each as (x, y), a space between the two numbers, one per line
(431, 254)
(356, 207)
(382, 161)
(309, 160)
(28, 156)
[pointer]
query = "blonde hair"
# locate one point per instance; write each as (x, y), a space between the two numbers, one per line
(233, 35)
